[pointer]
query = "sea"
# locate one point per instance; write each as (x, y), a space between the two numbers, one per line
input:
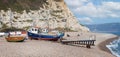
(114, 46)
(111, 32)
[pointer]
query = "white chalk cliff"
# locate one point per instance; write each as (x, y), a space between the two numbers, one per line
(56, 14)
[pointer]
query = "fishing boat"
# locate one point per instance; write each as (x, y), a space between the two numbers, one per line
(44, 34)
(15, 39)
(16, 36)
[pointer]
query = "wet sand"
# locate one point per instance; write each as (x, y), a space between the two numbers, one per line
(103, 44)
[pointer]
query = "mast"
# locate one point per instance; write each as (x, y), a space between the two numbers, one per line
(49, 12)
(0, 21)
(48, 18)
(11, 18)
(34, 22)
(66, 21)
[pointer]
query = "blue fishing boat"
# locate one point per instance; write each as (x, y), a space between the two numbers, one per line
(44, 34)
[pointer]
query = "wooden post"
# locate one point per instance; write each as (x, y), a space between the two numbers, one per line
(88, 46)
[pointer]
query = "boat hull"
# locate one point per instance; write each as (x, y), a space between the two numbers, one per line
(15, 39)
(45, 37)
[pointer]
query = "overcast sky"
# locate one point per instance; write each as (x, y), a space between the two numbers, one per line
(95, 11)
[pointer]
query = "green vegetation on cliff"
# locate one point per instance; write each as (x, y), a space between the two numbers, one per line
(20, 5)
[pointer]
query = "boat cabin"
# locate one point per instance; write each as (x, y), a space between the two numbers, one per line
(38, 30)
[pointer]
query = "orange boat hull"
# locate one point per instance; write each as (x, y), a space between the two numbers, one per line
(15, 39)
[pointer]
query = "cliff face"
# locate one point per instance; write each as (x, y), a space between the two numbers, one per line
(41, 13)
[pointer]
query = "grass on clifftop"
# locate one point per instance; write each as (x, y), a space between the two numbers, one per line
(20, 5)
